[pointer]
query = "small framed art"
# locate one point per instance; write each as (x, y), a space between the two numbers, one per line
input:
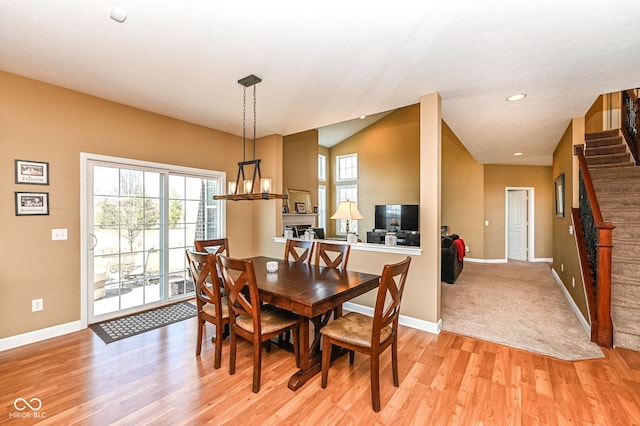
(32, 203)
(301, 208)
(32, 172)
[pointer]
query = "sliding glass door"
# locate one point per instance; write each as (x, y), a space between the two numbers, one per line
(140, 221)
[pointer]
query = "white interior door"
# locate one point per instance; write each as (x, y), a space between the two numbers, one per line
(517, 224)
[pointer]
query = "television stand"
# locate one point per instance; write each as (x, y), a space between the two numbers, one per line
(405, 238)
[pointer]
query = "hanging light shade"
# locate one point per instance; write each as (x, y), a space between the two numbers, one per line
(249, 186)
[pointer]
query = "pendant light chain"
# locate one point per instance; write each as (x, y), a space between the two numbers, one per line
(244, 124)
(254, 121)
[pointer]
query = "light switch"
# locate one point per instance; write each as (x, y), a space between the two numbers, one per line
(486, 223)
(59, 234)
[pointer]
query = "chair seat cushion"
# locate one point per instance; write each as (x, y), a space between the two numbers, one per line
(354, 328)
(210, 309)
(271, 319)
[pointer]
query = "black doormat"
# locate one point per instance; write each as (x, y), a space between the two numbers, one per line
(128, 326)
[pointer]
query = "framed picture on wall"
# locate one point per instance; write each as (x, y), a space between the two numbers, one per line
(32, 203)
(560, 195)
(32, 172)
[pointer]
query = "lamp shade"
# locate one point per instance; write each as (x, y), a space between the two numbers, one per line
(347, 210)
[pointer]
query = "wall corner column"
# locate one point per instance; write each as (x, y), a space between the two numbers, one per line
(430, 199)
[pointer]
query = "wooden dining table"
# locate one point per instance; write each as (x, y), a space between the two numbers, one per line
(314, 293)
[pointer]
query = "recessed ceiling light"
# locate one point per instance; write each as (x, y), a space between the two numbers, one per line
(517, 154)
(362, 117)
(518, 97)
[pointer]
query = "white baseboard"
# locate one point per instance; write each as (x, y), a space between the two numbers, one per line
(38, 335)
(539, 259)
(583, 322)
(474, 260)
(418, 324)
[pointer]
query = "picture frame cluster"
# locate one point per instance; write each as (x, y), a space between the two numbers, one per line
(31, 173)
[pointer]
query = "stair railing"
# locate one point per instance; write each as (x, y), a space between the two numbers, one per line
(595, 256)
(631, 122)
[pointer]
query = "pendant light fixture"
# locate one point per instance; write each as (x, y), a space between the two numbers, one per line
(257, 187)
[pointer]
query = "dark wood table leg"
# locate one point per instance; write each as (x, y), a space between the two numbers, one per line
(310, 354)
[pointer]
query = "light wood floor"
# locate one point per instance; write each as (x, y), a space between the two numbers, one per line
(155, 378)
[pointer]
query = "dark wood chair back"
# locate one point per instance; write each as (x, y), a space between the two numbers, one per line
(211, 305)
(300, 250)
(332, 255)
(239, 278)
(215, 246)
(357, 332)
(248, 318)
(390, 290)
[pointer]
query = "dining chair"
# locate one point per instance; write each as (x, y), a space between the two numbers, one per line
(215, 246)
(332, 255)
(212, 307)
(250, 319)
(357, 332)
(300, 250)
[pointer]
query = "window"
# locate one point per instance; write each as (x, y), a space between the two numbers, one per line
(322, 206)
(322, 168)
(347, 167)
(344, 193)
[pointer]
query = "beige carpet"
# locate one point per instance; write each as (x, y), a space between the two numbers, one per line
(518, 304)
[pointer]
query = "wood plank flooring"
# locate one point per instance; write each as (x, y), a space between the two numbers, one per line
(446, 379)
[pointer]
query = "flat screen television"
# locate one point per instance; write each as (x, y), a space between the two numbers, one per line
(405, 214)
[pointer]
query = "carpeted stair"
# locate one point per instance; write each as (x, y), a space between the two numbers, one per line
(617, 185)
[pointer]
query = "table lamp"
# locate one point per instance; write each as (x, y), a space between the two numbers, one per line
(347, 210)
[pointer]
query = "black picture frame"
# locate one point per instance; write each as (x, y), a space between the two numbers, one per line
(559, 190)
(32, 172)
(32, 203)
(301, 208)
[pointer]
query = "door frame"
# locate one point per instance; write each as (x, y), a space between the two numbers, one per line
(530, 221)
(85, 242)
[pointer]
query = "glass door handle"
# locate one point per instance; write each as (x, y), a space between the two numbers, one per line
(93, 242)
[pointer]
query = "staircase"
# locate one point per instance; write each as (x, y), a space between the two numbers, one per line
(617, 186)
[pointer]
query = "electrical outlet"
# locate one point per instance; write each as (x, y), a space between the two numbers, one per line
(562, 267)
(466, 249)
(573, 281)
(37, 305)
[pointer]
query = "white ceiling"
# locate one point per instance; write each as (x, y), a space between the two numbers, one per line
(331, 61)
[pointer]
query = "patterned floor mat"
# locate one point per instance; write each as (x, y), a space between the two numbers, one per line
(120, 328)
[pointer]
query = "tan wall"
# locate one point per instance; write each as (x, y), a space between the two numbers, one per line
(497, 179)
(388, 165)
(594, 117)
(565, 254)
(462, 193)
(300, 160)
(46, 123)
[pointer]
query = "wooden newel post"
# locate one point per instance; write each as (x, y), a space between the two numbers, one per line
(603, 295)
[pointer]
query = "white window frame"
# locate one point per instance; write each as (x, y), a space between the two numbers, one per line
(347, 167)
(322, 206)
(322, 168)
(344, 193)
